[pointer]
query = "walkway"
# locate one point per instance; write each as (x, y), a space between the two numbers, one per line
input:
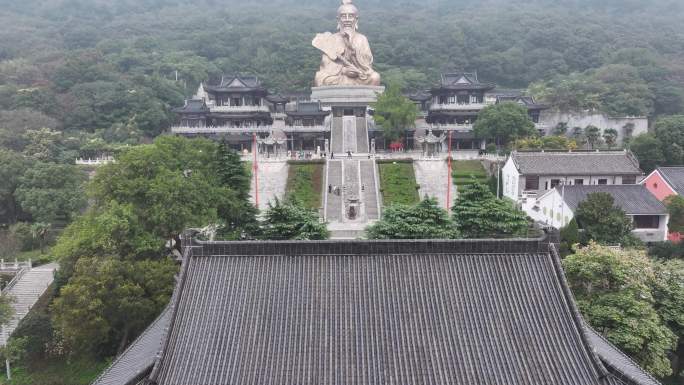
(351, 179)
(272, 182)
(26, 288)
(432, 176)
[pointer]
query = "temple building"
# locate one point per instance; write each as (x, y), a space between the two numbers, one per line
(475, 312)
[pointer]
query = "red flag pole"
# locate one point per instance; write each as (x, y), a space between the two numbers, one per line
(255, 168)
(448, 203)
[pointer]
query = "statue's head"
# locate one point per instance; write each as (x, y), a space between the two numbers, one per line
(347, 16)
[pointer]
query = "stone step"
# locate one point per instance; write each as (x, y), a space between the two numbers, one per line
(26, 293)
(370, 196)
(362, 136)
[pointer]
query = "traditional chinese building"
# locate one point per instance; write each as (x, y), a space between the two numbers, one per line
(475, 312)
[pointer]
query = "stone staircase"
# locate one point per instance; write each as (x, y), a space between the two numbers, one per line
(28, 286)
(432, 176)
(333, 202)
(370, 189)
(355, 176)
(272, 182)
(336, 136)
(350, 134)
(362, 146)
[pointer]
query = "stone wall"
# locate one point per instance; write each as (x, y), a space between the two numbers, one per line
(551, 118)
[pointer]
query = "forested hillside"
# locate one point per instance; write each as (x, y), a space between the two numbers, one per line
(110, 67)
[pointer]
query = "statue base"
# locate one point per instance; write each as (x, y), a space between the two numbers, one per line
(346, 96)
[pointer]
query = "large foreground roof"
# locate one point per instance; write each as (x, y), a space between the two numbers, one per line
(376, 312)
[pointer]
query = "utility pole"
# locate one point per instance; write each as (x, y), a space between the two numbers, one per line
(255, 168)
(448, 200)
(498, 180)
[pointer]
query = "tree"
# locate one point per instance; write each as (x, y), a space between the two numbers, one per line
(569, 236)
(648, 150)
(546, 143)
(395, 113)
(14, 165)
(670, 132)
(675, 206)
(291, 220)
(613, 292)
(479, 214)
(603, 222)
(113, 230)
(668, 293)
(43, 144)
(109, 301)
(425, 220)
(51, 192)
(172, 184)
(593, 135)
(610, 136)
(504, 122)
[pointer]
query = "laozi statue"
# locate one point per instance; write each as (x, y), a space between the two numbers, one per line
(347, 58)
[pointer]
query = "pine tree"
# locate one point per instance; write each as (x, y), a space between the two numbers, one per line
(479, 214)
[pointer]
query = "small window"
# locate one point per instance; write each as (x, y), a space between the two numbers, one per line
(555, 182)
(603, 181)
(531, 182)
(655, 185)
(646, 221)
(629, 179)
(579, 182)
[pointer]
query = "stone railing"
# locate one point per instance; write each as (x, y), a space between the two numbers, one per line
(246, 130)
(240, 109)
(457, 107)
(94, 162)
(451, 127)
(15, 265)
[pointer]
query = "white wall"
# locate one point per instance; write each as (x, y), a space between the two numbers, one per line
(551, 118)
(553, 211)
(511, 180)
(550, 209)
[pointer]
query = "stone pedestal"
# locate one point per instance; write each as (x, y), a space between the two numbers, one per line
(346, 96)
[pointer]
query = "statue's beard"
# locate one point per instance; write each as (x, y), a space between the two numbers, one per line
(348, 29)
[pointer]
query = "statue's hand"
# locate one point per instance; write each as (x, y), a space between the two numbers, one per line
(350, 72)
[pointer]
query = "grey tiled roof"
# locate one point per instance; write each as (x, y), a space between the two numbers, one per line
(364, 312)
(193, 106)
(674, 177)
(136, 362)
(528, 101)
(618, 362)
(633, 199)
(576, 163)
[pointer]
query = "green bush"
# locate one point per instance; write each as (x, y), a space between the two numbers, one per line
(304, 183)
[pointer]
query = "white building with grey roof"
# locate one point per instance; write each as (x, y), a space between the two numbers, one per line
(529, 174)
(649, 216)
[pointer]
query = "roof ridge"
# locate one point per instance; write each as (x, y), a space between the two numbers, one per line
(576, 315)
(607, 341)
(145, 332)
(173, 304)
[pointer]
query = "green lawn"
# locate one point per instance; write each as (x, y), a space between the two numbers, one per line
(398, 183)
(304, 183)
(463, 171)
(57, 372)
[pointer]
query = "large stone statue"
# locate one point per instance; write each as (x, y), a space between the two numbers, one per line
(347, 58)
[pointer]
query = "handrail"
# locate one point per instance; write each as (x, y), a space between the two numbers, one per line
(14, 280)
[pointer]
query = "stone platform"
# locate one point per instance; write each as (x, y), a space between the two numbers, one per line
(343, 96)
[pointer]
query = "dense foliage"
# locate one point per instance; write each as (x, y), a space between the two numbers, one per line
(602, 221)
(395, 113)
(291, 220)
(503, 123)
(115, 276)
(114, 70)
(425, 220)
(480, 214)
(635, 302)
(664, 146)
